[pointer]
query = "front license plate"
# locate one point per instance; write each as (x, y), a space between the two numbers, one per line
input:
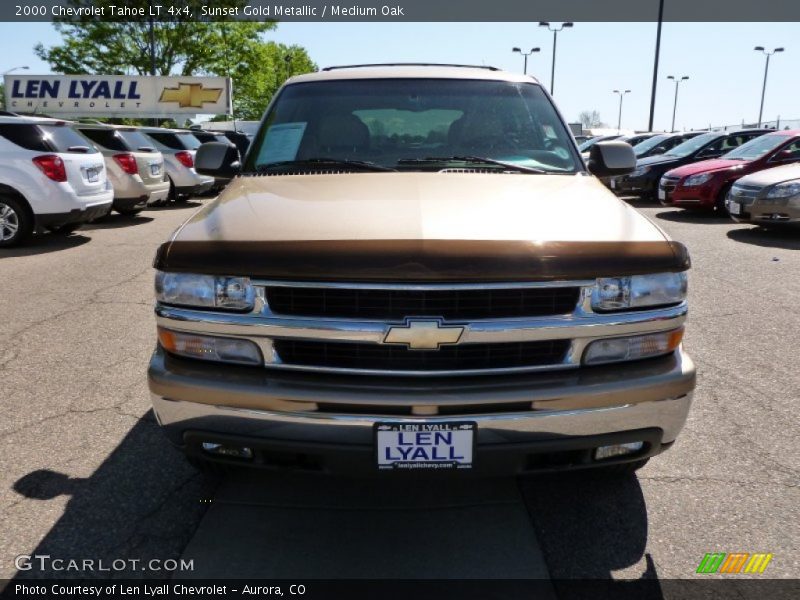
(92, 175)
(155, 168)
(612, 183)
(734, 208)
(417, 446)
(662, 194)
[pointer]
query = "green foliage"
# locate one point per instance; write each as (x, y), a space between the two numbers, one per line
(183, 46)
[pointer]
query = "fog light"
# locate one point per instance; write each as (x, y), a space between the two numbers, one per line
(231, 451)
(206, 347)
(604, 452)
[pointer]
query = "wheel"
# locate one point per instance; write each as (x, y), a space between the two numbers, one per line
(128, 212)
(622, 469)
(16, 224)
(66, 229)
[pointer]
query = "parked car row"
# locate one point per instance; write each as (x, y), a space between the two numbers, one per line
(57, 175)
(754, 174)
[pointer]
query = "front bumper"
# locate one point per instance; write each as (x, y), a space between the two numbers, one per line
(634, 185)
(765, 213)
(329, 419)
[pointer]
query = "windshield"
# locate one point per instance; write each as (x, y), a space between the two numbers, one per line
(136, 139)
(66, 139)
(413, 124)
(691, 146)
(648, 144)
(758, 147)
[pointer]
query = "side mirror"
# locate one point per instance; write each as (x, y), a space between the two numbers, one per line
(608, 159)
(658, 150)
(219, 160)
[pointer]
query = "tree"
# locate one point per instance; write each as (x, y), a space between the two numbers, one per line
(590, 119)
(183, 46)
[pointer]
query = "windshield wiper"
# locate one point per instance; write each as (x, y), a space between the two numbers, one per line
(472, 160)
(323, 162)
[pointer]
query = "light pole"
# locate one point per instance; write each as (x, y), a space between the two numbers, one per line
(526, 55)
(621, 94)
(766, 70)
(555, 31)
(26, 67)
(675, 105)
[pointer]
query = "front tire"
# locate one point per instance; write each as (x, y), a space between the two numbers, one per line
(16, 224)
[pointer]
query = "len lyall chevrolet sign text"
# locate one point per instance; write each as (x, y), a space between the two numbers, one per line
(117, 95)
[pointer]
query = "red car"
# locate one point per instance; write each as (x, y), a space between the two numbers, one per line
(705, 184)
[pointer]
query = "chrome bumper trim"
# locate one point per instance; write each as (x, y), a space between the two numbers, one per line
(177, 417)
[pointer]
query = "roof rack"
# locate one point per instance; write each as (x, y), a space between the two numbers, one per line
(411, 64)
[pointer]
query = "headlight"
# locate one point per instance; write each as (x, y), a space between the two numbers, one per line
(639, 291)
(632, 348)
(204, 291)
(207, 347)
(694, 180)
(785, 190)
(639, 171)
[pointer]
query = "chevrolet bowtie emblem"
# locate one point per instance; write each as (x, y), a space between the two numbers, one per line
(190, 95)
(423, 335)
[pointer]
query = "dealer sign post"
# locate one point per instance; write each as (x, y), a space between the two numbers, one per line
(117, 95)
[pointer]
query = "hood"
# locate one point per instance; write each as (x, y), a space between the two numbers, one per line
(386, 220)
(772, 176)
(709, 166)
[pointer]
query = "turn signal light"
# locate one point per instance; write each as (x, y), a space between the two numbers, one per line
(52, 166)
(185, 158)
(128, 163)
(206, 347)
(632, 348)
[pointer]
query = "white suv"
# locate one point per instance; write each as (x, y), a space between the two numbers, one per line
(50, 176)
(179, 147)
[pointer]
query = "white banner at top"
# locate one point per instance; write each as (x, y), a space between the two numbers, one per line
(117, 95)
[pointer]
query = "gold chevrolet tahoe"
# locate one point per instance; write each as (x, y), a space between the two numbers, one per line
(413, 269)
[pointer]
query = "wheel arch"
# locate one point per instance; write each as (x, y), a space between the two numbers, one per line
(9, 191)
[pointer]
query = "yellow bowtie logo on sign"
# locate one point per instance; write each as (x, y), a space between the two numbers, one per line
(190, 95)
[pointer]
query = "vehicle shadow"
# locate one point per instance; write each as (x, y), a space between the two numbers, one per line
(45, 243)
(695, 216)
(115, 221)
(194, 203)
(785, 238)
(143, 502)
(589, 526)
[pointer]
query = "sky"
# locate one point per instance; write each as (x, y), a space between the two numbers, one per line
(724, 88)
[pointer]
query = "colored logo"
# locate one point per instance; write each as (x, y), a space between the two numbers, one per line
(423, 335)
(735, 562)
(190, 95)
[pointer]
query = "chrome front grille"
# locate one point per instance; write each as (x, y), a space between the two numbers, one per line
(379, 357)
(393, 304)
(668, 184)
(353, 328)
(745, 194)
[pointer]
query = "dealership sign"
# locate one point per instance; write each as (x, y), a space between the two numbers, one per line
(117, 95)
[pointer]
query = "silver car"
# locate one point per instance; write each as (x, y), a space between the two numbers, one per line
(135, 168)
(179, 147)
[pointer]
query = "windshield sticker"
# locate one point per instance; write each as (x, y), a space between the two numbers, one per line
(281, 143)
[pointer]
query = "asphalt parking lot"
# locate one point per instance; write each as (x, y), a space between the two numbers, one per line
(85, 473)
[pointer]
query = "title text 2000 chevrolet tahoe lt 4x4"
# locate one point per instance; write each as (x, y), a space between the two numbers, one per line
(413, 269)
